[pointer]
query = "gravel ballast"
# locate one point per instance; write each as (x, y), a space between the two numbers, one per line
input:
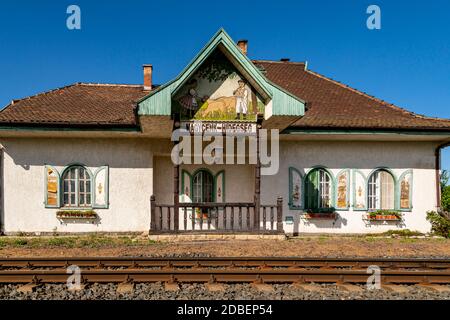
(156, 291)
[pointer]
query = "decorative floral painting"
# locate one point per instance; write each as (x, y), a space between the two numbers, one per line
(296, 189)
(52, 186)
(342, 194)
(217, 91)
(405, 194)
(360, 191)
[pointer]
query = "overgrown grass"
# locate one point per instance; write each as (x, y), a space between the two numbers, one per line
(402, 233)
(91, 241)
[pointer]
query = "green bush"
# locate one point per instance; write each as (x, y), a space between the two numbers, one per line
(445, 198)
(439, 225)
(403, 233)
(20, 242)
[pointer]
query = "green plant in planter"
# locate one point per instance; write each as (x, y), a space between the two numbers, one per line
(372, 215)
(76, 214)
(384, 213)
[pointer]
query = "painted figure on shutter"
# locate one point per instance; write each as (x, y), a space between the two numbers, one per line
(52, 187)
(342, 191)
(404, 193)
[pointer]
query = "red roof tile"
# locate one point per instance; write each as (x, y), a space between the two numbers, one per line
(332, 105)
(79, 104)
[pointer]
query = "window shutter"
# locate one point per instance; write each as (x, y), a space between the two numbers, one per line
(405, 194)
(342, 194)
(295, 189)
(220, 186)
(359, 191)
(100, 188)
(185, 192)
(52, 196)
(312, 190)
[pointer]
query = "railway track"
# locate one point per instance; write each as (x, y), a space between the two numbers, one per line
(224, 270)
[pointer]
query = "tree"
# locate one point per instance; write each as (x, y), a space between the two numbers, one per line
(445, 199)
(445, 177)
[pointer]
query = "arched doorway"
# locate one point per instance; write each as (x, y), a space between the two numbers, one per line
(202, 187)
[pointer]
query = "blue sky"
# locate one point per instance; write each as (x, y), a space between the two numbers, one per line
(406, 62)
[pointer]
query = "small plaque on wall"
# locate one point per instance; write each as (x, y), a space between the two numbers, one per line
(289, 220)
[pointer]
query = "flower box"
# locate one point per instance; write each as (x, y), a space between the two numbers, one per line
(330, 216)
(76, 214)
(384, 217)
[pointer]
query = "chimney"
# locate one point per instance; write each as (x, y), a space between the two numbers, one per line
(285, 59)
(148, 69)
(243, 44)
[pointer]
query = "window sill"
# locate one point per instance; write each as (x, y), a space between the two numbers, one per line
(77, 218)
(77, 214)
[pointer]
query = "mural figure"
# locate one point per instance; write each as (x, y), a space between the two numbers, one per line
(342, 191)
(217, 92)
(296, 194)
(404, 194)
(241, 94)
(190, 101)
(296, 181)
(52, 187)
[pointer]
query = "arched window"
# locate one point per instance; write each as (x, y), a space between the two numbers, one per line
(381, 191)
(76, 187)
(318, 189)
(202, 186)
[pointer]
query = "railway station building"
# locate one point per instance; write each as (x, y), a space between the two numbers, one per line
(105, 157)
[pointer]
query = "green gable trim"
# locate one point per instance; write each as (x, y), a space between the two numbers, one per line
(222, 38)
(159, 102)
(284, 103)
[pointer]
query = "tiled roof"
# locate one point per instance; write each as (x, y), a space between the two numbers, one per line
(332, 105)
(81, 104)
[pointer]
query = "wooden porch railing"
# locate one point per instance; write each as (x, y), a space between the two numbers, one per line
(216, 217)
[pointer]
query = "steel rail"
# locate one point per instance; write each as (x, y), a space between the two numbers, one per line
(229, 262)
(226, 276)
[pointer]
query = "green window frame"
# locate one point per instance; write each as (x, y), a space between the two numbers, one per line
(376, 190)
(187, 180)
(203, 186)
(76, 187)
(319, 190)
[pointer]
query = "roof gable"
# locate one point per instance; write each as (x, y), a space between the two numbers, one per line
(276, 99)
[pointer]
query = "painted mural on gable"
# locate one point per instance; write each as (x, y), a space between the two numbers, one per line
(217, 91)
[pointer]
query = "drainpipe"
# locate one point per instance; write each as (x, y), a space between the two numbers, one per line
(438, 173)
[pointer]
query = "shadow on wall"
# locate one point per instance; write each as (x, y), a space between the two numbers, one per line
(360, 155)
(116, 153)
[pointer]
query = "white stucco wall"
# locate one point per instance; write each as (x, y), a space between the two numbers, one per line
(365, 156)
(239, 180)
(135, 174)
(130, 182)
